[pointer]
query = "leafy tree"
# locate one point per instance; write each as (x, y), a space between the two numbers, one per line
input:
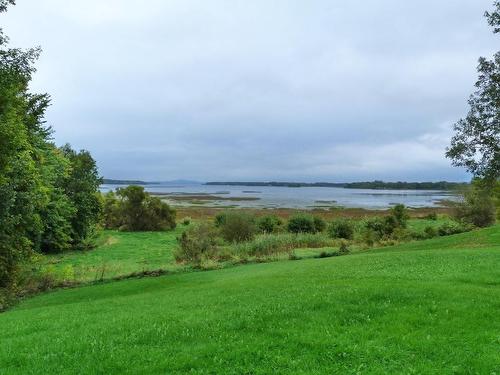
(47, 195)
(476, 144)
(139, 211)
(21, 193)
(478, 205)
(82, 186)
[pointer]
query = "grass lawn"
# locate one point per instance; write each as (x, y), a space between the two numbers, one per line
(428, 307)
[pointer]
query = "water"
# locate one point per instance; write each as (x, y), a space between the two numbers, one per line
(303, 197)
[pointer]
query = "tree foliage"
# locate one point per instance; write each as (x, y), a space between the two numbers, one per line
(47, 194)
(133, 209)
(476, 143)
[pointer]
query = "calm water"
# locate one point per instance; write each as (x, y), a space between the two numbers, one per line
(304, 197)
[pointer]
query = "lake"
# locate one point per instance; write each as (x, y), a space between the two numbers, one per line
(289, 197)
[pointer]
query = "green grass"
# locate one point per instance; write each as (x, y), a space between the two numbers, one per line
(428, 307)
(123, 253)
(118, 254)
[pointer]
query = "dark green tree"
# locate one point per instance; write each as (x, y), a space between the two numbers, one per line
(139, 211)
(81, 187)
(476, 143)
(21, 187)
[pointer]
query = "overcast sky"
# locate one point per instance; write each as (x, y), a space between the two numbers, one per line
(316, 90)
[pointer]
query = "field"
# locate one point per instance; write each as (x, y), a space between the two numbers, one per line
(426, 307)
(120, 254)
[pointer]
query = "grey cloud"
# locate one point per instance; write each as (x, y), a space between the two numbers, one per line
(316, 90)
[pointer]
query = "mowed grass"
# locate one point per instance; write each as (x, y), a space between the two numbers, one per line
(429, 307)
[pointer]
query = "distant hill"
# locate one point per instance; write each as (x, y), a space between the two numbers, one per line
(109, 181)
(378, 185)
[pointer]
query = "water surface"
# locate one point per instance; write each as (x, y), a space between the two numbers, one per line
(303, 197)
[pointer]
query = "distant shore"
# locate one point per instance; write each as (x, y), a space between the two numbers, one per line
(376, 185)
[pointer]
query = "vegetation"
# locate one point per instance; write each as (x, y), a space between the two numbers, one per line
(237, 227)
(476, 144)
(379, 185)
(269, 223)
(48, 195)
(133, 209)
(302, 223)
(196, 243)
(478, 206)
(332, 315)
(341, 228)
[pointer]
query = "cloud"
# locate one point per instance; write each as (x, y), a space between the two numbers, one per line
(317, 90)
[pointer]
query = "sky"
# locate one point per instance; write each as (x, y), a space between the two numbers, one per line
(232, 90)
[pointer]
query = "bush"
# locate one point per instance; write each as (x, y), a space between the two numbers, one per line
(430, 232)
(448, 229)
(399, 215)
(380, 227)
(273, 244)
(112, 217)
(385, 227)
(186, 221)
(319, 224)
(477, 208)
(341, 228)
(301, 224)
(269, 224)
(344, 248)
(196, 243)
(238, 227)
(220, 219)
(431, 216)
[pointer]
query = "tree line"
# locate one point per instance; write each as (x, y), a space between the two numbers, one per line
(49, 198)
(377, 185)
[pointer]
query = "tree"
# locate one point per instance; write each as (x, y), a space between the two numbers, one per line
(82, 186)
(476, 143)
(138, 211)
(21, 192)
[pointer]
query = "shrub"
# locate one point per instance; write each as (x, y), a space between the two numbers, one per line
(112, 217)
(399, 215)
(220, 219)
(385, 227)
(238, 227)
(431, 216)
(301, 224)
(186, 221)
(344, 248)
(430, 232)
(341, 228)
(273, 244)
(197, 242)
(269, 224)
(448, 229)
(319, 224)
(477, 208)
(379, 226)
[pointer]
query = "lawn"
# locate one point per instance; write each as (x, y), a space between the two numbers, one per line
(428, 307)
